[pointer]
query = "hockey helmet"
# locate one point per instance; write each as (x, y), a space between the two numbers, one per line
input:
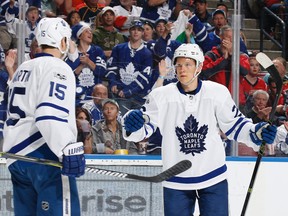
(50, 31)
(192, 51)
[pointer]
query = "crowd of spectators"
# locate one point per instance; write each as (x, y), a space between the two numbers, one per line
(124, 49)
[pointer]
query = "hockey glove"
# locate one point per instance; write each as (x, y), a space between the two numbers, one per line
(73, 160)
(263, 132)
(133, 121)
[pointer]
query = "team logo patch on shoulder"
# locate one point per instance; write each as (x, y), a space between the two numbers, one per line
(60, 76)
(192, 136)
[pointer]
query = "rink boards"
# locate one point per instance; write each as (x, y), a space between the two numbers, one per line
(104, 195)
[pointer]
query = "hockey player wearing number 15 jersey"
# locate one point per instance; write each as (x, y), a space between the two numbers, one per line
(190, 115)
(41, 123)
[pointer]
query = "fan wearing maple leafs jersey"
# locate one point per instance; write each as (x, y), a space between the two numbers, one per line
(90, 67)
(129, 70)
(190, 115)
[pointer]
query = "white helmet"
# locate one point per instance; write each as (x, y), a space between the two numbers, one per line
(50, 31)
(192, 51)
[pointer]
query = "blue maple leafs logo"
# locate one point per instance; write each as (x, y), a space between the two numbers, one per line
(192, 137)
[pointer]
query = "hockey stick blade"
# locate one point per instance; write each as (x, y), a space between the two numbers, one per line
(163, 176)
(266, 63)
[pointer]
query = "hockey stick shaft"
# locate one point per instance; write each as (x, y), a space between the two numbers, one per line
(266, 62)
(163, 176)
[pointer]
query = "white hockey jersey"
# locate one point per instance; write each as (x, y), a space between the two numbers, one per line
(41, 108)
(190, 125)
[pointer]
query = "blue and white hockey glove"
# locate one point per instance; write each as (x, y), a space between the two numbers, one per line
(263, 132)
(73, 160)
(133, 121)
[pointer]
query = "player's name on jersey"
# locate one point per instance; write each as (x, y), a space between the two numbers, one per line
(21, 76)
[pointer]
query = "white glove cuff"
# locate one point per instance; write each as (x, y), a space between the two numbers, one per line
(74, 149)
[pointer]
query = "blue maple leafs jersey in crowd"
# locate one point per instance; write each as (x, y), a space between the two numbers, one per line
(130, 70)
(94, 110)
(164, 49)
(87, 78)
(153, 13)
(3, 98)
(41, 109)
(190, 125)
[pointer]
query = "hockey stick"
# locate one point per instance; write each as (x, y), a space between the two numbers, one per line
(267, 64)
(163, 176)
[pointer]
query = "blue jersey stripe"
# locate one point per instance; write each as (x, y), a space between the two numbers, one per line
(53, 106)
(239, 129)
(199, 179)
(50, 118)
(25, 142)
(234, 126)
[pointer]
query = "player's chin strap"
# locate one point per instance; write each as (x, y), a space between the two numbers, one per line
(194, 77)
(65, 52)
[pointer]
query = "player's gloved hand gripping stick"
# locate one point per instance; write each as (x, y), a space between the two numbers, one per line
(261, 131)
(73, 163)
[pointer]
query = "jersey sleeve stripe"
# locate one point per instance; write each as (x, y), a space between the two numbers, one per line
(25, 143)
(51, 118)
(234, 126)
(239, 129)
(53, 106)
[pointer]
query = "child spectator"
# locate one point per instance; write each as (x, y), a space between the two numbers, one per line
(252, 82)
(32, 19)
(73, 18)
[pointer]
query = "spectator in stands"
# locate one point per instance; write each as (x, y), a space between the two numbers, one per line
(224, 8)
(8, 40)
(32, 19)
(164, 48)
(90, 69)
(8, 66)
(89, 10)
(217, 63)
(73, 18)
(206, 40)
(106, 35)
(252, 82)
(281, 64)
(64, 7)
(94, 106)
(201, 11)
(259, 111)
(83, 123)
(149, 32)
(109, 131)
(129, 70)
(156, 9)
(126, 12)
(272, 92)
(34, 49)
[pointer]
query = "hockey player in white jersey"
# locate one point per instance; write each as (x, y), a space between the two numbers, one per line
(190, 115)
(41, 123)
